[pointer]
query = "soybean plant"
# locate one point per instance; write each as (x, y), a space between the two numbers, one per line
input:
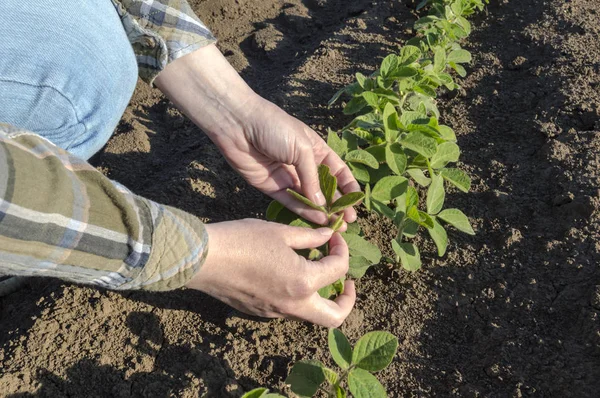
(372, 353)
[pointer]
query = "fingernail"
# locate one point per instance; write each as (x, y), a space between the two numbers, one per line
(319, 199)
(325, 231)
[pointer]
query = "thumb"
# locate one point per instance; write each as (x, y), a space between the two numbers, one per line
(306, 167)
(306, 238)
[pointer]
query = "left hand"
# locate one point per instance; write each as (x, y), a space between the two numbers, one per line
(275, 151)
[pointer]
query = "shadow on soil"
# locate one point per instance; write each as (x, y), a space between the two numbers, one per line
(177, 368)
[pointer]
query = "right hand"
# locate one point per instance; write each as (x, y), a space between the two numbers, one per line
(251, 265)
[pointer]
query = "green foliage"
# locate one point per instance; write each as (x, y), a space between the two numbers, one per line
(372, 353)
(363, 254)
(261, 393)
(399, 149)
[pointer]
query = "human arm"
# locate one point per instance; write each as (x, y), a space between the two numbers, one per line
(60, 217)
(272, 150)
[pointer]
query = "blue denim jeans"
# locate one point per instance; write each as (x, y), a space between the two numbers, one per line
(67, 70)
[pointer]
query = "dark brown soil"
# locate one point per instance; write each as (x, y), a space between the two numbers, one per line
(511, 312)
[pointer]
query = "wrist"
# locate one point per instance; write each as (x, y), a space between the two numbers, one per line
(206, 88)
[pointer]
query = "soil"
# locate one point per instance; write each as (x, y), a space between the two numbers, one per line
(513, 311)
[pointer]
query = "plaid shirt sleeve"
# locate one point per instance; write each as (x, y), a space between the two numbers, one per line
(60, 217)
(161, 31)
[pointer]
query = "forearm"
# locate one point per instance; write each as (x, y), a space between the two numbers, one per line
(209, 91)
(60, 217)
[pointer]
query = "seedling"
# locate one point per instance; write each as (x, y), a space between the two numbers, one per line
(362, 253)
(396, 146)
(372, 353)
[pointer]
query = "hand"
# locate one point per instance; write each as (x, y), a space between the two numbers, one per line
(272, 150)
(276, 151)
(251, 265)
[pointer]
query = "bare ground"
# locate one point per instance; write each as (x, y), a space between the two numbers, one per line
(511, 312)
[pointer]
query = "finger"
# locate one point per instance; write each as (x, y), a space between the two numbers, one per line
(332, 267)
(330, 313)
(305, 238)
(301, 209)
(306, 167)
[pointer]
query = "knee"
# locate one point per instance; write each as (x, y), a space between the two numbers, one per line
(72, 79)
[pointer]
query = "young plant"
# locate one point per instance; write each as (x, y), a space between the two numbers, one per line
(396, 146)
(362, 253)
(373, 352)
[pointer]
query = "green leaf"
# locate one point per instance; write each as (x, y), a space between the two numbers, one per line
(358, 266)
(353, 228)
(350, 141)
(362, 157)
(360, 78)
(447, 133)
(439, 59)
(299, 222)
(306, 377)
(439, 236)
(363, 384)
(410, 258)
(378, 151)
(349, 199)
(327, 291)
(389, 188)
(459, 56)
(337, 224)
(409, 54)
(446, 152)
(435, 195)
(420, 217)
(340, 392)
(419, 177)
(339, 286)
(360, 172)
(389, 64)
(403, 72)
(335, 143)
(410, 228)
(315, 255)
(426, 220)
(371, 98)
(256, 393)
(390, 116)
(358, 246)
(457, 219)
(375, 351)
(340, 348)
(426, 89)
(420, 143)
(458, 178)
(330, 375)
(305, 200)
(383, 209)
(328, 183)
(458, 68)
(412, 197)
(273, 210)
(355, 105)
(367, 201)
(396, 158)
(336, 96)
